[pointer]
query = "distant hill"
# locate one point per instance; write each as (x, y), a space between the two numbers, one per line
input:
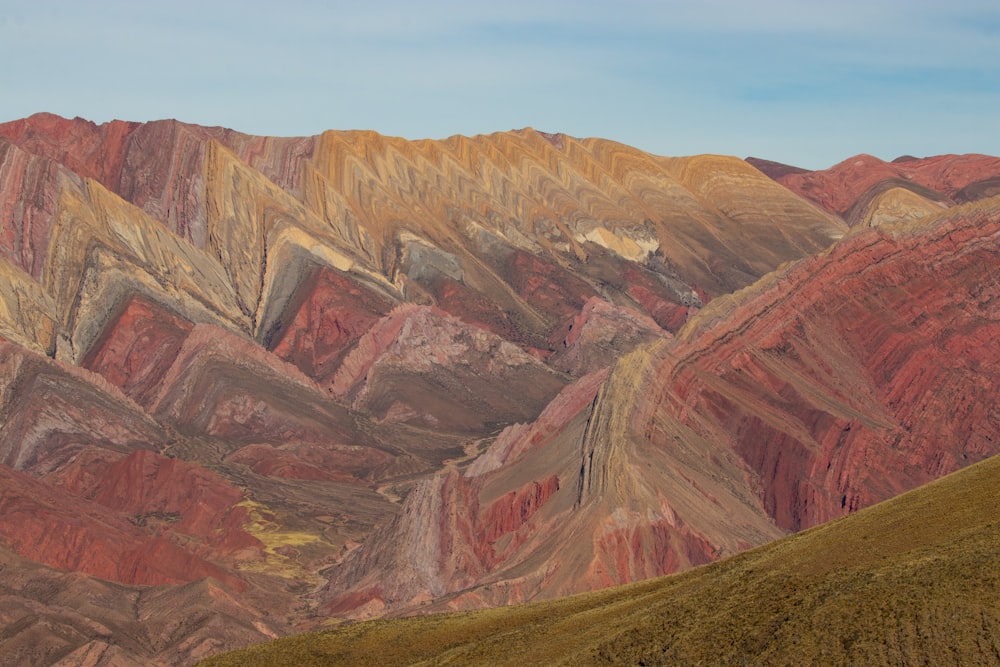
(866, 191)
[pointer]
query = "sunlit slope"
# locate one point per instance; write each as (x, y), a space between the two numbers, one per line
(913, 580)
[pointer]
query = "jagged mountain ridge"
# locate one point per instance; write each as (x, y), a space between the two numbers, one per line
(527, 207)
(297, 317)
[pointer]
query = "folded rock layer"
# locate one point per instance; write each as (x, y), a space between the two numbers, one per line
(829, 386)
(280, 380)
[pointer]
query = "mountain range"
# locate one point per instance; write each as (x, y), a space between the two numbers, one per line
(250, 386)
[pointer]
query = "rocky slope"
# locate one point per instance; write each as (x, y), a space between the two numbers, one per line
(52, 617)
(912, 580)
(422, 366)
(493, 228)
(832, 385)
(354, 374)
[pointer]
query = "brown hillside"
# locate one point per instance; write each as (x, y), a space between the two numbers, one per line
(913, 580)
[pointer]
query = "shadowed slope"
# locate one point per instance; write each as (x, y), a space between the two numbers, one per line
(68, 618)
(911, 580)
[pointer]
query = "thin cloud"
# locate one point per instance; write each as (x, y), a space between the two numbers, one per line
(774, 78)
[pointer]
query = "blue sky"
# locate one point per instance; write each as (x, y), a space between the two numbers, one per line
(803, 82)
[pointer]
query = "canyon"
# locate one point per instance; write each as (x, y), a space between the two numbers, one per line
(250, 386)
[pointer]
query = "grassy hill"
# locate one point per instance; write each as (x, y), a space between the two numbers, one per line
(915, 580)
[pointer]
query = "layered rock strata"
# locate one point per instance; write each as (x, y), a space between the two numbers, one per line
(417, 374)
(836, 383)
(866, 191)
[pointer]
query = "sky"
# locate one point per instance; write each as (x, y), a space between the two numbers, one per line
(804, 82)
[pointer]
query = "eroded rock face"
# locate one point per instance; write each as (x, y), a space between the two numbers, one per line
(332, 312)
(832, 385)
(27, 206)
(191, 500)
(599, 334)
(438, 373)
(157, 166)
(524, 231)
(51, 411)
(421, 365)
(138, 349)
(91, 484)
(54, 617)
(879, 386)
(48, 526)
(573, 502)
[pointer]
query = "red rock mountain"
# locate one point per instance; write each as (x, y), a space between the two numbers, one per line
(248, 384)
(864, 190)
(826, 387)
